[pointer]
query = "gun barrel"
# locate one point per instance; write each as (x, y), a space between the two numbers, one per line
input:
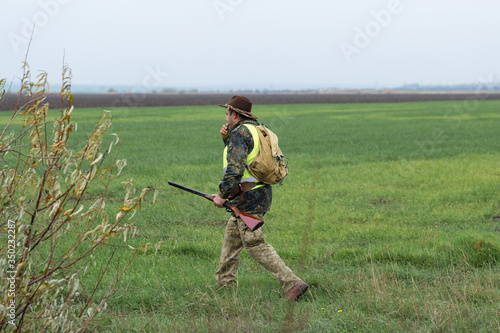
(252, 222)
(191, 190)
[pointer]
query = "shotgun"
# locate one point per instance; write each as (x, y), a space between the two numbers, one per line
(252, 222)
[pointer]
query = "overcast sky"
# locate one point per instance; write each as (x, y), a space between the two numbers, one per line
(256, 44)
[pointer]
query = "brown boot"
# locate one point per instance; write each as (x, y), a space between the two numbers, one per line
(298, 290)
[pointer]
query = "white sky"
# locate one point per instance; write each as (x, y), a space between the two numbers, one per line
(257, 44)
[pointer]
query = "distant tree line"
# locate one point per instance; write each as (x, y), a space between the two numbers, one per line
(452, 87)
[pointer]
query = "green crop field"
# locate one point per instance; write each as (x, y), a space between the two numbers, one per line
(391, 213)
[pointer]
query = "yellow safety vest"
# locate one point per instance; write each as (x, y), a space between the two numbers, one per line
(247, 176)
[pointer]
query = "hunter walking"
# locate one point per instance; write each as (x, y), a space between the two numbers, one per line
(248, 195)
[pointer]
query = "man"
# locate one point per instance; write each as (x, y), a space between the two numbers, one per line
(248, 195)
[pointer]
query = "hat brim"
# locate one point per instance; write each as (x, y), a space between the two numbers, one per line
(242, 112)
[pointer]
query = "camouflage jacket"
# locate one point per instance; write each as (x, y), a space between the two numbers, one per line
(239, 144)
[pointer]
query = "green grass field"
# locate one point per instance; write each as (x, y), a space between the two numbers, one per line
(390, 213)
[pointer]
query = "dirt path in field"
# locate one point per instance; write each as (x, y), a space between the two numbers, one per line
(110, 100)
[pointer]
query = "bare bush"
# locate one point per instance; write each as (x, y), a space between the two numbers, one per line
(53, 194)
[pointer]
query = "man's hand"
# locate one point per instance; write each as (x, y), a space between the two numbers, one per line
(224, 131)
(218, 201)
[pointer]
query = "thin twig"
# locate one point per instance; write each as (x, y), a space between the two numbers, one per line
(108, 294)
(16, 110)
(97, 284)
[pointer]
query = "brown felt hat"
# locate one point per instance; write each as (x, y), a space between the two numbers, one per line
(241, 105)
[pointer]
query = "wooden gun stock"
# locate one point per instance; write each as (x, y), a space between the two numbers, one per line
(251, 221)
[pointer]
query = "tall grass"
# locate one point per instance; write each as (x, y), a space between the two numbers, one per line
(391, 213)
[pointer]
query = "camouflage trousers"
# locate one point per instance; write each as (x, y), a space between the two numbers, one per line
(237, 237)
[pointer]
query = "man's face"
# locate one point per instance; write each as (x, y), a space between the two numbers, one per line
(230, 118)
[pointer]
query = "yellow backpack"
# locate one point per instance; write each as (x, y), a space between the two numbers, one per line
(270, 165)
